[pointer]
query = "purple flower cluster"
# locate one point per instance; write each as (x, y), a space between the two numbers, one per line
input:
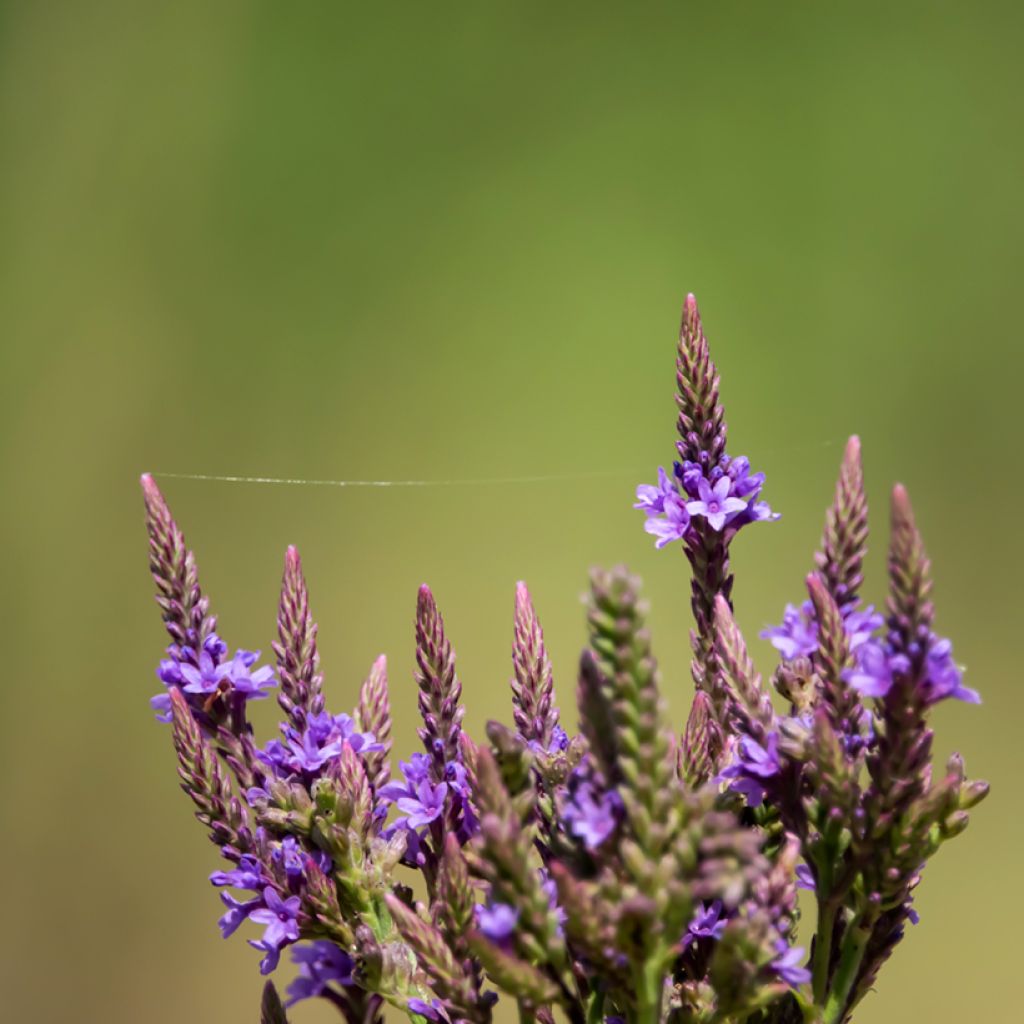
(797, 636)
(622, 874)
(208, 674)
(724, 496)
(878, 666)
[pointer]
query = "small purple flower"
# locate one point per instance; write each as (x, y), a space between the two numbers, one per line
(247, 875)
(797, 637)
(425, 806)
(875, 668)
(434, 1010)
(591, 816)
(754, 765)
(805, 878)
(672, 525)
(497, 921)
(787, 964)
(281, 918)
(205, 677)
(707, 923)
(320, 963)
(161, 704)
(715, 503)
(943, 677)
(651, 499)
(252, 685)
(237, 913)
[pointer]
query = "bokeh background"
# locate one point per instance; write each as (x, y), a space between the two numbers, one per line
(450, 242)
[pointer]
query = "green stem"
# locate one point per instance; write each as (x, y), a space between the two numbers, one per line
(648, 995)
(527, 1015)
(850, 958)
(595, 1011)
(823, 948)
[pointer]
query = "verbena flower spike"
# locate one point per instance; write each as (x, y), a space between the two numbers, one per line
(631, 874)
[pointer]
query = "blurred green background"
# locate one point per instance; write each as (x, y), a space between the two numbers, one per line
(451, 241)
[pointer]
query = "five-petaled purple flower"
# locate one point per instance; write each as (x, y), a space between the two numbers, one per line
(590, 815)
(715, 502)
(281, 918)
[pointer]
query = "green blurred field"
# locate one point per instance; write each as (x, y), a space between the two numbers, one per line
(450, 241)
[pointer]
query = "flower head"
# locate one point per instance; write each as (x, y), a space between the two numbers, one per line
(715, 502)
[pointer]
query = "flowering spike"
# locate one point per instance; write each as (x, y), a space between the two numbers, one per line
(454, 905)
(515, 976)
(533, 691)
(909, 605)
(298, 661)
(702, 743)
(844, 542)
(831, 657)
(748, 697)
(701, 417)
(435, 957)
(201, 777)
(373, 715)
(621, 645)
(438, 684)
(174, 571)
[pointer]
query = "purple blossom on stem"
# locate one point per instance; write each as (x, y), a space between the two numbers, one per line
(651, 499)
(707, 923)
(237, 912)
(320, 964)
(715, 502)
(787, 965)
(670, 526)
(497, 922)
(424, 805)
(591, 816)
(281, 918)
(753, 766)
(247, 875)
(797, 636)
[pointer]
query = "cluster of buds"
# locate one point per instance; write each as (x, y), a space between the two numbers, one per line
(625, 874)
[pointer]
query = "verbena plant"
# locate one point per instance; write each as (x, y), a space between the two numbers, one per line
(625, 874)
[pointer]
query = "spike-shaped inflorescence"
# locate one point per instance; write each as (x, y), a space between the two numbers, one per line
(625, 875)
(298, 661)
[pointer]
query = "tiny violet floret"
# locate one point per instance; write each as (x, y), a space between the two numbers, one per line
(321, 964)
(281, 918)
(715, 502)
(497, 921)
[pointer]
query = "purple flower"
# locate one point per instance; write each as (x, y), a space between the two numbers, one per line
(205, 677)
(714, 502)
(651, 499)
(434, 1010)
(591, 816)
(320, 963)
(744, 483)
(425, 806)
(943, 677)
(787, 964)
(707, 923)
(237, 913)
(754, 764)
(161, 703)
(873, 673)
(281, 918)
(498, 922)
(673, 525)
(797, 637)
(805, 878)
(250, 684)
(248, 874)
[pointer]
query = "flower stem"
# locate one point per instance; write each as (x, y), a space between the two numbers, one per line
(850, 958)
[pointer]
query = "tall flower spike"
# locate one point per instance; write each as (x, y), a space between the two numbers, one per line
(844, 541)
(298, 662)
(832, 657)
(216, 806)
(909, 606)
(439, 686)
(752, 705)
(533, 690)
(174, 571)
(373, 715)
(701, 422)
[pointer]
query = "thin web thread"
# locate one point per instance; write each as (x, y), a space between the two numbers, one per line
(473, 482)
